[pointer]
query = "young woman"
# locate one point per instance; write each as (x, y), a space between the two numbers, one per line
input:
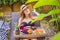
(26, 18)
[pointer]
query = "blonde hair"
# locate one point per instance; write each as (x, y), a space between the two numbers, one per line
(23, 15)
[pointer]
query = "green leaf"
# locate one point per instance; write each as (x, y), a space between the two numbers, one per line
(38, 10)
(55, 19)
(40, 17)
(29, 1)
(46, 2)
(0, 2)
(52, 12)
(15, 0)
(4, 2)
(23, 1)
(11, 2)
(1, 14)
(56, 37)
(58, 17)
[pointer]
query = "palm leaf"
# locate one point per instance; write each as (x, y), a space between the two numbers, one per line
(40, 17)
(58, 17)
(11, 2)
(52, 12)
(23, 1)
(4, 2)
(46, 2)
(29, 1)
(55, 19)
(56, 37)
(0, 2)
(15, 0)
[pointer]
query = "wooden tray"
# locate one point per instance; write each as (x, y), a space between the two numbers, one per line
(30, 36)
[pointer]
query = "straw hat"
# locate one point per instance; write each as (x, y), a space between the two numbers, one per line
(22, 8)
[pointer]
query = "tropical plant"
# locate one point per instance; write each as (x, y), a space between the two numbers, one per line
(57, 36)
(28, 1)
(1, 12)
(55, 13)
(46, 2)
(10, 2)
(52, 12)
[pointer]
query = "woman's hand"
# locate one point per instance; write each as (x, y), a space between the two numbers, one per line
(16, 36)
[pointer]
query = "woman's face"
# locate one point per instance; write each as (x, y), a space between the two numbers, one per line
(27, 11)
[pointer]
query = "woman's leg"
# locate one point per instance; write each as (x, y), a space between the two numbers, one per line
(25, 39)
(33, 39)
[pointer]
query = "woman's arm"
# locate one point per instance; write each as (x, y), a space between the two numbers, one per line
(17, 31)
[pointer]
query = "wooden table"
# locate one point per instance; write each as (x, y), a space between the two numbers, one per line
(31, 36)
